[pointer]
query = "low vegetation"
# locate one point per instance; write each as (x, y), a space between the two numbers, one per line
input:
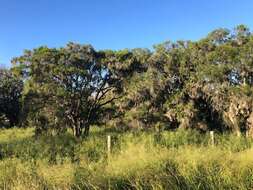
(139, 160)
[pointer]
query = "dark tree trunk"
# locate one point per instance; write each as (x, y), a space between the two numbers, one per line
(86, 130)
(78, 130)
(13, 120)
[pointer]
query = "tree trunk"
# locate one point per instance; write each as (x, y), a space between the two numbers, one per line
(86, 130)
(78, 130)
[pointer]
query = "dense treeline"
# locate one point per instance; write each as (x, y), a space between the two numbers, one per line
(205, 85)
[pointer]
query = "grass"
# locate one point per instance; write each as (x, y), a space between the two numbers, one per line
(139, 160)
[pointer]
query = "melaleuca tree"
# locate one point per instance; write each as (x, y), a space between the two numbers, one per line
(69, 86)
(10, 98)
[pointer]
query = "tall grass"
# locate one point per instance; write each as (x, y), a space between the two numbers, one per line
(139, 160)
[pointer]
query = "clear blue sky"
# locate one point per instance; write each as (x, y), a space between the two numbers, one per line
(113, 24)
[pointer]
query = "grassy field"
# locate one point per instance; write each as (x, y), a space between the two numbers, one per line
(139, 160)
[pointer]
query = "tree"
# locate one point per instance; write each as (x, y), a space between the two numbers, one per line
(71, 83)
(10, 93)
(178, 84)
(242, 32)
(219, 36)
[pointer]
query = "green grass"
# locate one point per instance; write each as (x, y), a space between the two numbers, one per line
(139, 160)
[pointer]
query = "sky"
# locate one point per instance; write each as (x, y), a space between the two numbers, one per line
(113, 24)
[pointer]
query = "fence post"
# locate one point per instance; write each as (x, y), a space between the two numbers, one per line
(109, 145)
(212, 137)
(238, 133)
(108, 157)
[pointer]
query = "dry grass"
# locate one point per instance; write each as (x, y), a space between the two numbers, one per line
(173, 160)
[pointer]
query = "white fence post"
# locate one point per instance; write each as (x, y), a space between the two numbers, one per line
(108, 156)
(238, 133)
(212, 137)
(109, 145)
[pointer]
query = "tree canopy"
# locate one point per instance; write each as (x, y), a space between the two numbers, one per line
(10, 98)
(205, 84)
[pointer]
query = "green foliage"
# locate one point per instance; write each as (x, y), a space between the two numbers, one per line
(65, 87)
(10, 98)
(183, 84)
